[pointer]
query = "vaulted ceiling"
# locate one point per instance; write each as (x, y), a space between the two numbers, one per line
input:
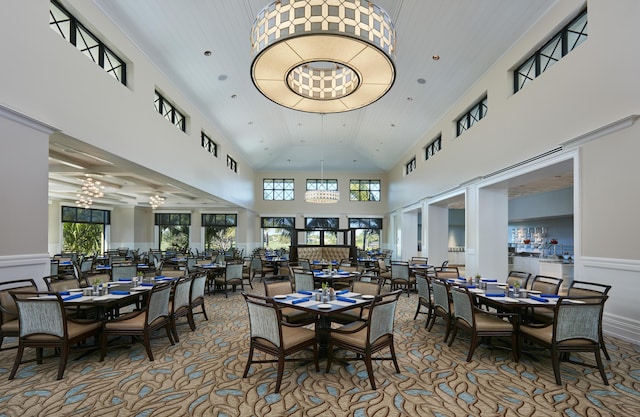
(468, 36)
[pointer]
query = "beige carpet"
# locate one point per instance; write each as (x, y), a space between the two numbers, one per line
(202, 376)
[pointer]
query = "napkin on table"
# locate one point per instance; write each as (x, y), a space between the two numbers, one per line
(120, 292)
(71, 297)
(346, 299)
(541, 299)
(305, 292)
(300, 300)
(498, 294)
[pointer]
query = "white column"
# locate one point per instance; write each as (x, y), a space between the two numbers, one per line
(437, 233)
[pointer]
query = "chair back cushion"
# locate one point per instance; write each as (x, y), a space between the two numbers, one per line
(382, 316)
(158, 304)
(181, 293)
(277, 288)
(400, 270)
(123, 271)
(233, 271)
(263, 319)
(578, 321)
(41, 316)
(367, 288)
(440, 295)
(424, 291)
(8, 308)
(198, 284)
(462, 306)
(303, 281)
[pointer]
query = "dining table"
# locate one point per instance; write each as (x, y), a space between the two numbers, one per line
(335, 276)
(311, 302)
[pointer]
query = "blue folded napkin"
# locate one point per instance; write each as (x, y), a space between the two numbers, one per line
(64, 293)
(316, 262)
(342, 292)
(120, 292)
(489, 280)
(542, 299)
(142, 264)
(423, 265)
(305, 292)
(497, 294)
(124, 279)
(146, 284)
(346, 299)
(471, 286)
(300, 300)
(451, 280)
(549, 295)
(71, 297)
(160, 277)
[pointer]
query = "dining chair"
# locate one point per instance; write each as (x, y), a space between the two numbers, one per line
(546, 284)
(44, 324)
(366, 338)
(304, 263)
(9, 323)
(371, 286)
(125, 272)
(232, 276)
(270, 334)
(480, 323)
(401, 276)
(246, 270)
(579, 288)
(576, 327)
(142, 323)
(419, 260)
(425, 299)
(55, 266)
(167, 271)
(303, 280)
(383, 270)
(179, 303)
(442, 305)
(196, 297)
(273, 287)
(522, 278)
(447, 272)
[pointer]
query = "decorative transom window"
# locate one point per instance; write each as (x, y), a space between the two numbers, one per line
(67, 26)
(170, 112)
(433, 147)
(473, 116)
(410, 166)
(277, 189)
(563, 42)
(232, 164)
(316, 184)
(364, 190)
(208, 144)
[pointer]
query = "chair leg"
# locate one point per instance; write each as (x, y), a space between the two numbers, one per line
(604, 348)
(174, 329)
(147, 346)
(367, 362)
(191, 320)
(393, 357)
(315, 357)
(329, 357)
(64, 356)
(280, 372)
(453, 335)
(415, 316)
(472, 346)
(600, 367)
(17, 361)
(555, 361)
(249, 361)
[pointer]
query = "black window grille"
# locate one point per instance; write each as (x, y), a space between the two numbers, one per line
(170, 112)
(278, 189)
(473, 116)
(364, 190)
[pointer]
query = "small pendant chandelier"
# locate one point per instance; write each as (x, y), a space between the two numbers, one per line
(323, 196)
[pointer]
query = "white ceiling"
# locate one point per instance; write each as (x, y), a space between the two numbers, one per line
(469, 36)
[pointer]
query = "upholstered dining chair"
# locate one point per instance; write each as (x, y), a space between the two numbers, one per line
(196, 297)
(366, 338)
(179, 303)
(270, 334)
(383, 270)
(576, 327)
(232, 276)
(142, 323)
(579, 288)
(273, 287)
(480, 323)
(303, 280)
(170, 272)
(447, 272)
(545, 284)
(371, 286)
(126, 272)
(401, 276)
(9, 323)
(442, 305)
(425, 299)
(246, 270)
(522, 278)
(44, 324)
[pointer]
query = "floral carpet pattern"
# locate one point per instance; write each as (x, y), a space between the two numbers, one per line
(202, 376)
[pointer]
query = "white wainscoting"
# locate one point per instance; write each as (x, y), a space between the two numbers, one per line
(34, 265)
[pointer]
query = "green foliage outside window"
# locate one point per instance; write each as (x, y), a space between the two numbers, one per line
(220, 237)
(174, 238)
(82, 237)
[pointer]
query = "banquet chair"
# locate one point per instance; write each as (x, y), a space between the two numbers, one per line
(447, 272)
(44, 324)
(142, 323)
(9, 323)
(425, 299)
(179, 303)
(576, 327)
(196, 297)
(371, 286)
(232, 276)
(273, 336)
(585, 288)
(366, 338)
(479, 323)
(442, 305)
(273, 287)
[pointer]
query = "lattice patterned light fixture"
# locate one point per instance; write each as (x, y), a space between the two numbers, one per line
(323, 56)
(89, 191)
(155, 201)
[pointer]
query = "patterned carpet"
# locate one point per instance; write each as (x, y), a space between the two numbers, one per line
(202, 376)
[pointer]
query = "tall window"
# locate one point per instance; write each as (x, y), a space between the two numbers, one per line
(364, 190)
(433, 147)
(220, 231)
(322, 230)
(83, 230)
(276, 232)
(365, 232)
(170, 112)
(281, 189)
(473, 116)
(208, 144)
(173, 229)
(67, 26)
(560, 45)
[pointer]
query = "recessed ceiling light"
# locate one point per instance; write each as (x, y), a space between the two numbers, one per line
(207, 53)
(436, 57)
(409, 98)
(234, 96)
(222, 77)
(422, 81)
(393, 125)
